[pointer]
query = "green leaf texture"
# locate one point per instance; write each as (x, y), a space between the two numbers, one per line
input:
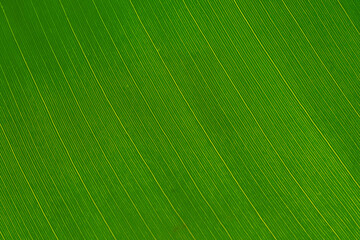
(180, 119)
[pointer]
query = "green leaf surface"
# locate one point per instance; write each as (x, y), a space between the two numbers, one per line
(180, 119)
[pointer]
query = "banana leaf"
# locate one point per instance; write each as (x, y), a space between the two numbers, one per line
(179, 119)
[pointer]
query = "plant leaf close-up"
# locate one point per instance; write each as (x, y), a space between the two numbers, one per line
(180, 119)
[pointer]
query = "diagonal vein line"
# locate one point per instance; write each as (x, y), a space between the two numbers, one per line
(307, 75)
(202, 127)
(321, 61)
(161, 128)
(87, 123)
(12, 201)
(238, 134)
(121, 123)
(53, 123)
(332, 38)
(296, 98)
(347, 15)
(275, 108)
(168, 139)
(272, 146)
(28, 183)
(43, 136)
(37, 150)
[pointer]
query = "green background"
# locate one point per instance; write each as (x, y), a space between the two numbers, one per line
(181, 119)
